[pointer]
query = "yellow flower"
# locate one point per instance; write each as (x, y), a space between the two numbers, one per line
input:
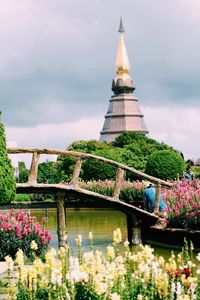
(79, 240)
(90, 236)
(34, 245)
(162, 284)
(39, 265)
(12, 292)
(20, 258)
(110, 252)
(171, 267)
(117, 236)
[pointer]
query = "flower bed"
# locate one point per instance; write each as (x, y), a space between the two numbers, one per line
(111, 276)
(19, 230)
(130, 190)
(183, 202)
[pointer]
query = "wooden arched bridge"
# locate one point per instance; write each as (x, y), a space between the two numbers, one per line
(63, 191)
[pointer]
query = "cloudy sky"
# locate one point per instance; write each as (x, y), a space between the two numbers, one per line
(57, 62)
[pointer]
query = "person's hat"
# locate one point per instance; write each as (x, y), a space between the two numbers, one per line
(147, 183)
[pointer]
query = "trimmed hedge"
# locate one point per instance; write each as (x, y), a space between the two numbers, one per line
(165, 164)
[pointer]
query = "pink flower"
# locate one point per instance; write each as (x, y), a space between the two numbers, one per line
(44, 219)
(18, 230)
(26, 230)
(4, 225)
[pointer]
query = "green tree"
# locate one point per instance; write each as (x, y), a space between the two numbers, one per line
(130, 148)
(98, 170)
(66, 164)
(47, 172)
(165, 164)
(65, 167)
(23, 172)
(7, 179)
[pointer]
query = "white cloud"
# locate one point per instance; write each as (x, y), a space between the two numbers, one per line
(53, 136)
(177, 126)
(57, 63)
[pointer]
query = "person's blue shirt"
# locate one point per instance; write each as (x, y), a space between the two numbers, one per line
(149, 200)
(188, 176)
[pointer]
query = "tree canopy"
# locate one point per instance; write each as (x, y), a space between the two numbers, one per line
(130, 148)
(7, 179)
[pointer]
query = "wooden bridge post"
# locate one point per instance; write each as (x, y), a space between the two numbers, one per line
(157, 200)
(32, 177)
(76, 172)
(61, 219)
(133, 229)
(118, 183)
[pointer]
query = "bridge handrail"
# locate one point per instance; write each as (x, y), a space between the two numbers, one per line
(33, 172)
(19, 150)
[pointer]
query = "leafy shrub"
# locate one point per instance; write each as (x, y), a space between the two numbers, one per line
(22, 198)
(7, 180)
(98, 170)
(165, 164)
(196, 171)
(18, 230)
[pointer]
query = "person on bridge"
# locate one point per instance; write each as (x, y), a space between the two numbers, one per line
(188, 174)
(149, 197)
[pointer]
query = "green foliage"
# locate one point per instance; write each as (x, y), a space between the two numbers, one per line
(165, 164)
(83, 293)
(130, 148)
(128, 138)
(22, 198)
(23, 172)
(94, 169)
(65, 167)
(7, 180)
(47, 173)
(88, 146)
(196, 171)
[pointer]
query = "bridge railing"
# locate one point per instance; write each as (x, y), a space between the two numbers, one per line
(121, 168)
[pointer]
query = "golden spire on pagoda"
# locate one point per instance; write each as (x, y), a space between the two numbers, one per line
(122, 61)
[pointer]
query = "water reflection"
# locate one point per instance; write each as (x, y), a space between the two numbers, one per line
(102, 222)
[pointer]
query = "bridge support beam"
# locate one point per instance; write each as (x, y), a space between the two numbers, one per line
(133, 230)
(61, 220)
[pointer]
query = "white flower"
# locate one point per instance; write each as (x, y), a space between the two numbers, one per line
(78, 276)
(198, 257)
(179, 289)
(10, 262)
(198, 271)
(126, 244)
(115, 296)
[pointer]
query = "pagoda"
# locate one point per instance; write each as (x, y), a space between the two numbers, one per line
(123, 113)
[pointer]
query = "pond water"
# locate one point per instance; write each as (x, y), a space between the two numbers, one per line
(102, 223)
